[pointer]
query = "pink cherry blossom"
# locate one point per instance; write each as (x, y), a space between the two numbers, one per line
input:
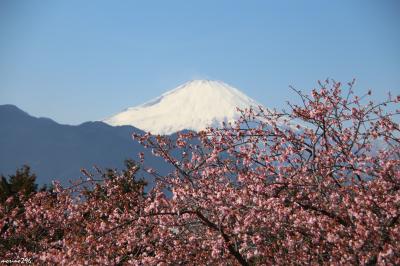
(321, 188)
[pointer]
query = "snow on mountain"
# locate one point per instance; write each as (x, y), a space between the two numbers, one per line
(194, 105)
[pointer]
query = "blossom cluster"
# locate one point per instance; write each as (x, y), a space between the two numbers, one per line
(319, 184)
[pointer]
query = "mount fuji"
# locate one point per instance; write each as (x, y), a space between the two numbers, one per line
(195, 105)
(56, 151)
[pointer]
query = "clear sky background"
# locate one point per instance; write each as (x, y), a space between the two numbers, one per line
(75, 61)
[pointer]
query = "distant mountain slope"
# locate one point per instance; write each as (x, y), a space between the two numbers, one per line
(194, 105)
(56, 151)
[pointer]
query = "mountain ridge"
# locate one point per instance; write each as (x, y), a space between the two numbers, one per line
(56, 151)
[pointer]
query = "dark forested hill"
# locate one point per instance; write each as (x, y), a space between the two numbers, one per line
(56, 151)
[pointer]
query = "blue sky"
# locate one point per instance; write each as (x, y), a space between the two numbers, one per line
(75, 61)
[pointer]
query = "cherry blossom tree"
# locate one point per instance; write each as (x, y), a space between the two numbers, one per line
(318, 184)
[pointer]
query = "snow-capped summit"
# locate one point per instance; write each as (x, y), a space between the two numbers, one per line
(194, 105)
